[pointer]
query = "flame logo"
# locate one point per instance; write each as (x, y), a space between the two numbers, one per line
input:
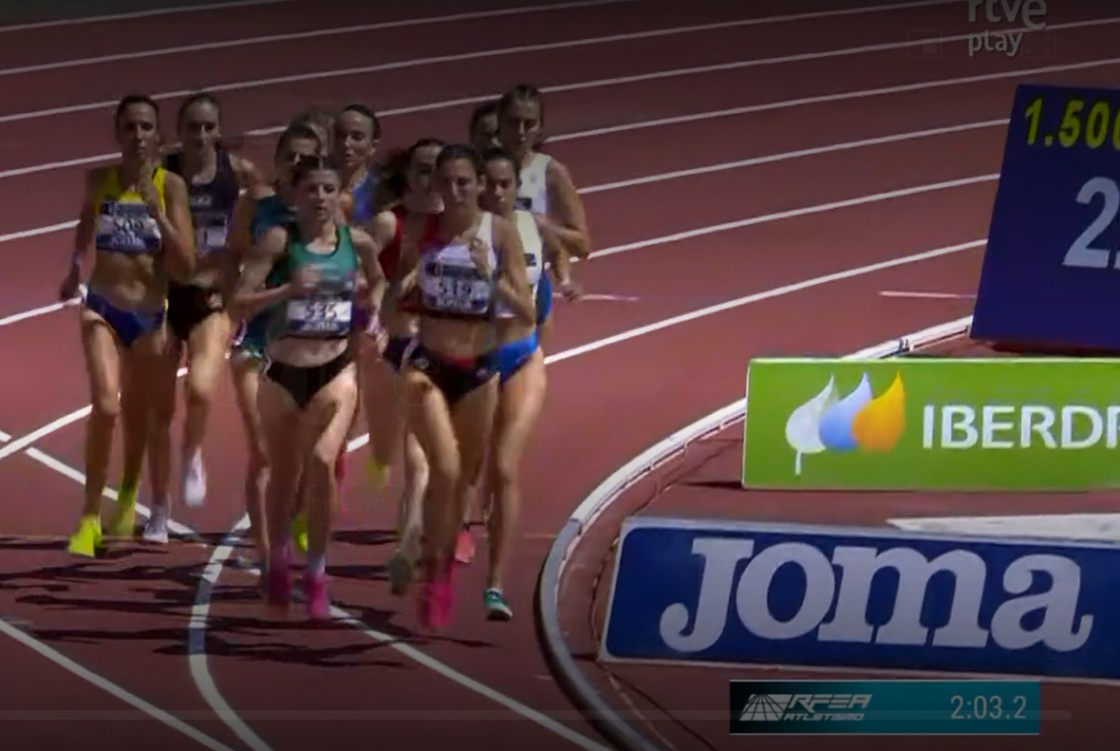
(857, 420)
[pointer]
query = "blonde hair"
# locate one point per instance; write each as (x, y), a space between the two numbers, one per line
(321, 120)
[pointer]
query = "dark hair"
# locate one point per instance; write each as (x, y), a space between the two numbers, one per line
(498, 154)
(393, 173)
(522, 92)
(305, 165)
(201, 97)
(457, 151)
(361, 109)
(130, 99)
(296, 132)
(481, 111)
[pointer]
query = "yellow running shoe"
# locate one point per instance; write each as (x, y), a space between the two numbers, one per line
(87, 539)
(299, 531)
(378, 473)
(123, 521)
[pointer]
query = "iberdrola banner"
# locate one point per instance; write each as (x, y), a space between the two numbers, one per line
(932, 423)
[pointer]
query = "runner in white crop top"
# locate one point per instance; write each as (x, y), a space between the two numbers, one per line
(457, 265)
(522, 386)
(546, 190)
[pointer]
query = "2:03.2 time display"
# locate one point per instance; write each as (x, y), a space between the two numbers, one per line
(988, 708)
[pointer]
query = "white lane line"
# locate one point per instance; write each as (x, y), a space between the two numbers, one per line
(54, 426)
(927, 295)
(621, 128)
(35, 312)
(529, 48)
(101, 682)
(312, 34)
(137, 14)
(618, 185)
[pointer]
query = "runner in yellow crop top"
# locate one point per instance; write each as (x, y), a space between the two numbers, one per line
(136, 217)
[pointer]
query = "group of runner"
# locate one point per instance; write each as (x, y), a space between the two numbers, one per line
(419, 286)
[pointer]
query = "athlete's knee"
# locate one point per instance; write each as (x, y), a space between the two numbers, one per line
(105, 408)
(505, 469)
(200, 389)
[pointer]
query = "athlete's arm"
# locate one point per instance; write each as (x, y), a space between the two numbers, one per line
(249, 298)
(83, 235)
(175, 226)
(239, 242)
(513, 281)
(408, 264)
(367, 247)
(249, 176)
(566, 221)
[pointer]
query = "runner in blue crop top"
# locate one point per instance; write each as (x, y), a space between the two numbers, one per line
(356, 135)
(256, 213)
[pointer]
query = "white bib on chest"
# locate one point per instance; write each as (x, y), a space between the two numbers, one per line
(126, 227)
(532, 194)
(450, 282)
(534, 256)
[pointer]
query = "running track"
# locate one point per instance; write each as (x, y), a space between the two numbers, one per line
(798, 168)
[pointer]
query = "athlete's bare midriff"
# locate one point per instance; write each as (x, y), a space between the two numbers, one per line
(129, 281)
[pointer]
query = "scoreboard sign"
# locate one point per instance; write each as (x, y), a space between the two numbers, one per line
(1051, 274)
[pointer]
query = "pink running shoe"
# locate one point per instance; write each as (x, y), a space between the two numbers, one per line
(315, 591)
(435, 600)
(279, 587)
(464, 545)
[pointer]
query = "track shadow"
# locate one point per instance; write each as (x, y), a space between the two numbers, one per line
(716, 484)
(371, 537)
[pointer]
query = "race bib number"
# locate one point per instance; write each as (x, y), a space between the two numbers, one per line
(320, 316)
(210, 239)
(458, 295)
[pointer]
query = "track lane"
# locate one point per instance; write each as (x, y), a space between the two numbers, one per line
(232, 67)
(38, 141)
(226, 26)
(982, 98)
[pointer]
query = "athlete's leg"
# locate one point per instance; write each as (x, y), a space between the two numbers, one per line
(103, 364)
(519, 407)
(206, 349)
(429, 419)
(153, 364)
(246, 371)
(328, 418)
(281, 422)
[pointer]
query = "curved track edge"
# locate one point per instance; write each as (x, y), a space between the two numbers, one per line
(561, 663)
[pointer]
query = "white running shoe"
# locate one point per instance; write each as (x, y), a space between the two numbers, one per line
(194, 481)
(156, 529)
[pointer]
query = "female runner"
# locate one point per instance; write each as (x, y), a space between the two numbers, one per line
(484, 126)
(521, 383)
(259, 210)
(406, 188)
(308, 396)
(137, 217)
(459, 263)
(546, 190)
(357, 132)
(196, 313)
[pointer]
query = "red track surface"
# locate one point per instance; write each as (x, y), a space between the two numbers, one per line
(126, 618)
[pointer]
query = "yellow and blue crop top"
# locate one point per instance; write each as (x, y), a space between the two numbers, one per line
(124, 224)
